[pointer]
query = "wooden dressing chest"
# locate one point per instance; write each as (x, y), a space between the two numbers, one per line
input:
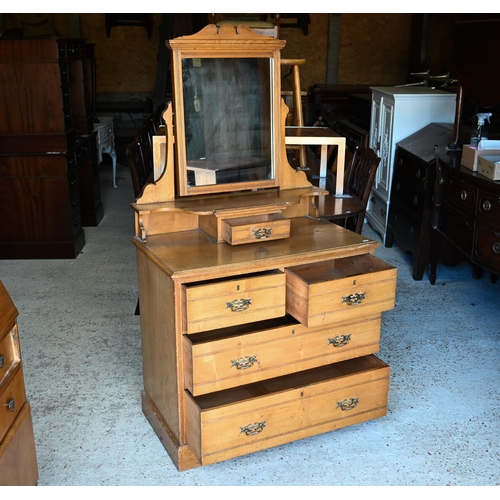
(257, 342)
(18, 463)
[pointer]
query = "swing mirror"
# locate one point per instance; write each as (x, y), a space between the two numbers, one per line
(226, 98)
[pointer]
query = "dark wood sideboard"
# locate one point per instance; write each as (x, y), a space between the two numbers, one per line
(466, 214)
(49, 176)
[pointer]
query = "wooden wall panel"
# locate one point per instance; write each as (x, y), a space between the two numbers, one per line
(374, 48)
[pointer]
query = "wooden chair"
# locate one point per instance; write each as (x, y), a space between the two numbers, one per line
(359, 182)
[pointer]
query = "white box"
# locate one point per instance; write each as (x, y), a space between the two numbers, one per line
(489, 166)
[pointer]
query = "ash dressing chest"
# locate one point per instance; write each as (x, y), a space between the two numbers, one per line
(18, 463)
(259, 322)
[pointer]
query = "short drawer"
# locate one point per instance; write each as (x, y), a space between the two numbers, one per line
(457, 227)
(487, 246)
(230, 302)
(256, 228)
(489, 206)
(458, 191)
(340, 290)
(405, 224)
(9, 354)
(243, 420)
(12, 399)
(227, 358)
(411, 168)
(408, 196)
(377, 210)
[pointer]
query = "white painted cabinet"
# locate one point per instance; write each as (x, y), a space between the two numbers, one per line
(398, 112)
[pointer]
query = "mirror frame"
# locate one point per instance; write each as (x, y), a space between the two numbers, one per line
(225, 42)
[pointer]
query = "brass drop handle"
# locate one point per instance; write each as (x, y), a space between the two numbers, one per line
(262, 234)
(463, 195)
(252, 429)
(496, 247)
(11, 404)
(2, 361)
(354, 299)
(339, 340)
(415, 201)
(417, 174)
(244, 362)
(486, 205)
(348, 404)
(239, 305)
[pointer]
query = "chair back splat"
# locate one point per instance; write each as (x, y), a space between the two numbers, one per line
(359, 182)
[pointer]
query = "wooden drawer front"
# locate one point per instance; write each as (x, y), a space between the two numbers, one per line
(18, 463)
(459, 192)
(288, 347)
(233, 302)
(405, 224)
(410, 197)
(489, 206)
(252, 418)
(378, 208)
(9, 354)
(411, 168)
(256, 228)
(340, 290)
(487, 246)
(457, 226)
(12, 399)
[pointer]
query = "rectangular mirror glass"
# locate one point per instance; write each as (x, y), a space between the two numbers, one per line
(227, 120)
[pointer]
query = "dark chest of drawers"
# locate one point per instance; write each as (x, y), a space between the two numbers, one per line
(410, 210)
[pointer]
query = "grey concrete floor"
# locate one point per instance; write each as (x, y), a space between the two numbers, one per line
(81, 351)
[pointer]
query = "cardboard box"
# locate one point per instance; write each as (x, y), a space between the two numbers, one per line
(470, 155)
(489, 166)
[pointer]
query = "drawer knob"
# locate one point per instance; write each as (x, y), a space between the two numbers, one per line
(2, 360)
(354, 299)
(340, 340)
(463, 195)
(418, 174)
(252, 429)
(239, 305)
(348, 404)
(11, 404)
(486, 205)
(496, 247)
(244, 362)
(262, 234)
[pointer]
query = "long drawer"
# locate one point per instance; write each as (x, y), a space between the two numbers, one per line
(230, 302)
(340, 290)
(232, 357)
(243, 420)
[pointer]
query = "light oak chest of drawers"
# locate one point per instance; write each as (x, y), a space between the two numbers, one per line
(253, 346)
